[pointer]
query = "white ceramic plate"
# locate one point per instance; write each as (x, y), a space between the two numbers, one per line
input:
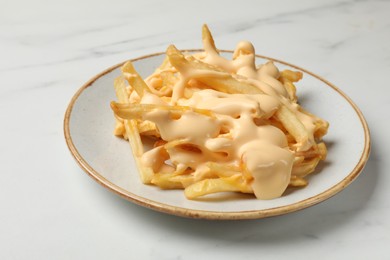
(89, 123)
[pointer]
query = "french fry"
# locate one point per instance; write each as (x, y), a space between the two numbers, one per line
(168, 180)
(305, 167)
(132, 133)
(174, 143)
(291, 90)
(129, 125)
(134, 79)
(119, 129)
(148, 128)
(120, 90)
(223, 170)
(318, 150)
(295, 127)
(233, 183)
(291, 76)
(229, 85)
(208, 158)
(208, 41)
(179, 179)
(296, 181)
(136, 111)
(168, 79)
(209, 75)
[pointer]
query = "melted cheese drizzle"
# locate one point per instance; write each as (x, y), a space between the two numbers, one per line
(239, 133)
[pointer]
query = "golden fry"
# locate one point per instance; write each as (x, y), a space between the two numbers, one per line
(292, 76)
(295, 127)
(134, 79)
(208, 41)
(208, 186)
(202, 158)
(209, 75)
(296, 181)
(305, 167)
(136, 111)
(131, 131)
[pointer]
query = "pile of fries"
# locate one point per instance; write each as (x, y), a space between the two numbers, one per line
(168, 93)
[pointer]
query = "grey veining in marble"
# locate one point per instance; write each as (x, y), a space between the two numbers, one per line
(50, 209)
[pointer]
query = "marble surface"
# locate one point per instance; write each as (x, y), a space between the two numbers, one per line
(50, 209)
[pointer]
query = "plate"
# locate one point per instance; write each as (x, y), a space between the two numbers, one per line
(89, 123)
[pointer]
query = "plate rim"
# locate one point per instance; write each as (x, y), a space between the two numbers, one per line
(207, 214)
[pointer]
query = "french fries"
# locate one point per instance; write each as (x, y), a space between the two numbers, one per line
(209, 75)
(204, 114)
(131, 132)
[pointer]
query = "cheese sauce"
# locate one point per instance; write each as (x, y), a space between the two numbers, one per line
(238, 133)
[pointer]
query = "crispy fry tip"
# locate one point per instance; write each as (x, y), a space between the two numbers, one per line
(171, 49)
(114, 106)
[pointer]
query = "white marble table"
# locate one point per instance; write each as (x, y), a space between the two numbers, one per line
(50, 209)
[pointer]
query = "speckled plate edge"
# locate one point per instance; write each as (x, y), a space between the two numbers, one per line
(217, 215)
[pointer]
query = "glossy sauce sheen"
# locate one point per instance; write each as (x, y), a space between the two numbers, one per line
(238, 134)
